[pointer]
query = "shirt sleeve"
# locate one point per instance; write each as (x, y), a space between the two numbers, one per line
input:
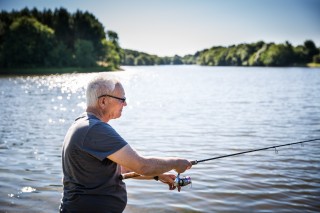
(102, 140)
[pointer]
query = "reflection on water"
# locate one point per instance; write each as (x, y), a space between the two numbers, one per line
(185, 111)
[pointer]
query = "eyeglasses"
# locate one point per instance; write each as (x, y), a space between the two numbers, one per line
(111, 96)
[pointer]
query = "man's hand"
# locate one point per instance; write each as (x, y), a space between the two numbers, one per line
(182, 165)
(168, 178)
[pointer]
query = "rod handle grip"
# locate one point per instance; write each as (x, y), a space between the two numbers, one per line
(128, 175)
(194, 162)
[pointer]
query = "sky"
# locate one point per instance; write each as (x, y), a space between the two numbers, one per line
(170, 27)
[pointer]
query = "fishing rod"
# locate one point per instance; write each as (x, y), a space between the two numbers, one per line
(186, 180)
(195, 162)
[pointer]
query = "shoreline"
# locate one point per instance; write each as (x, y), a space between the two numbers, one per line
(53, 70)
(66, 70)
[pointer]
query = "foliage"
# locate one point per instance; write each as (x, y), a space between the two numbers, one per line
(316, 59)
(61, 56)
(84, 52)
(134, 58)
(277, 55)
(254, 54)
(257, 54)
(111, 53)
(28, 43)
(59, 39)
(32, 38)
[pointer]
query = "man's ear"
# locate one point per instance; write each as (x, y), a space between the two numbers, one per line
(102, 102)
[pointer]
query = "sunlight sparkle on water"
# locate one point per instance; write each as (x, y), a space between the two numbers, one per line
(28, 189)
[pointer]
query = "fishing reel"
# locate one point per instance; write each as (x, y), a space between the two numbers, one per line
(182, 181)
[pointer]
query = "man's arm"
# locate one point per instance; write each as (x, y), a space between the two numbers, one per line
(148, 166)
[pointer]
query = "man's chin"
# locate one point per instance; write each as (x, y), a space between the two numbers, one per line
(117, 116)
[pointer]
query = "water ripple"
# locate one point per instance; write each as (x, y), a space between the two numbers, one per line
(185, 111)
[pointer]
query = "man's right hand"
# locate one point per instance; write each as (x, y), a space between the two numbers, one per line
(182, 165)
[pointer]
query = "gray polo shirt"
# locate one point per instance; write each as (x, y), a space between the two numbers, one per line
(91, 181)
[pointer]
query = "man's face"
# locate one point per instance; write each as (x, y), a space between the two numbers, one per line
(117, 105)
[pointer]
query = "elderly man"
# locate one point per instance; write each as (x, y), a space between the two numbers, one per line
(94, 155)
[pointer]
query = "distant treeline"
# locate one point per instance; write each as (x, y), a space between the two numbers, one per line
(32, 39)
(258, 54)
(136, 58)
(255, 54)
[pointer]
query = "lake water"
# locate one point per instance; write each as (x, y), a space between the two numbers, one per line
(185, 111)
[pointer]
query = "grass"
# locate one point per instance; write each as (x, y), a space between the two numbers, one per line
(313, 65)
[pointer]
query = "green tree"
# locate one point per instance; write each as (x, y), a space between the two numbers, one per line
(47, 18)
(310, 50)
(159, 61)
(63, 26)
(61, 56)
(84, 53)
(177, 60)
(232, 57)
(139, 60)
(142, 60)
(300, 56)
(87, 27)
(316, 59)
(28, 43)
(189, 59)
(129, 60)
(113, 37)
(278, 55)
(111, 55)
(255, 59)
(220, 56)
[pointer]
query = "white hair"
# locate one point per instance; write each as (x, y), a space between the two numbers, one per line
(99, 85)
